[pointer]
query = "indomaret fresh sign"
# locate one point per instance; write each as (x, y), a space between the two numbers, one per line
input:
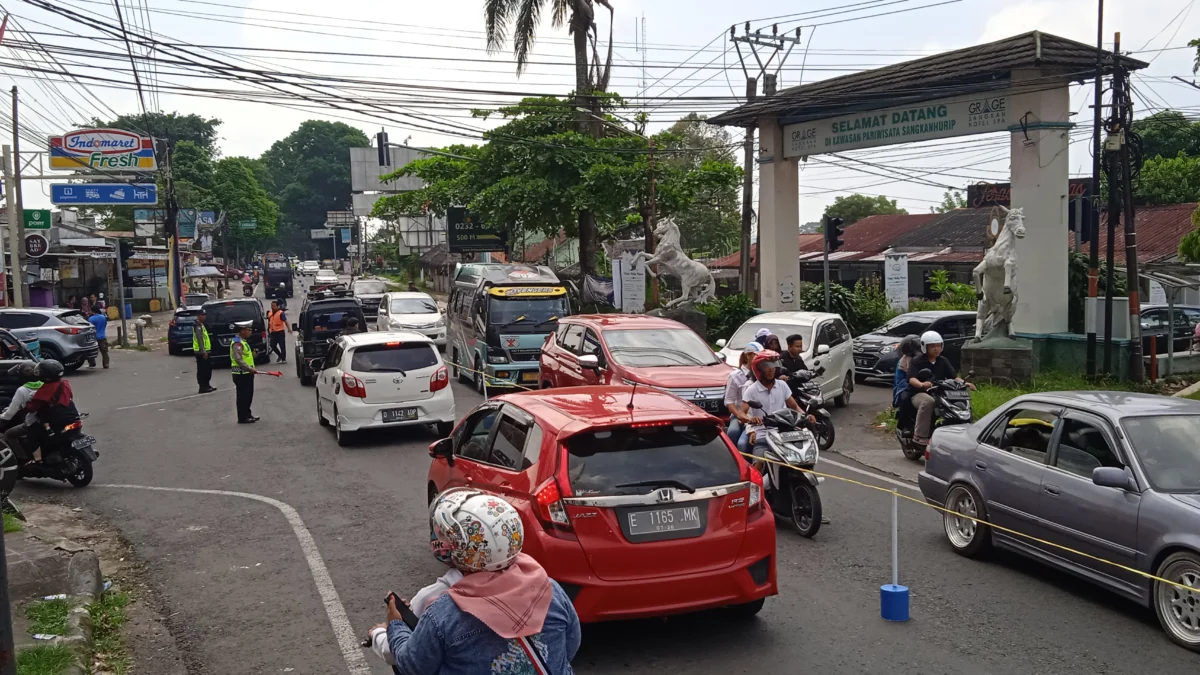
(102, 149)
(959, 116)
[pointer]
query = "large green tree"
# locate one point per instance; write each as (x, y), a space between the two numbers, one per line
(1168, 180)
(1168, 133)
(521, 17)
(240, 196)
(855, 207)
(951, 199)
(171, 127)
(308, 174)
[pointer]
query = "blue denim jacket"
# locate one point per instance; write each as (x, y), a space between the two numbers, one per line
(448, 641)
(899, 385)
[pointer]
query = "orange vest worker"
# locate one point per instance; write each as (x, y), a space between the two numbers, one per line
(275, 322)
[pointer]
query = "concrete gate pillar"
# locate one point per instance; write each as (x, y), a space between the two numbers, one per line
(1039, 116)
(778, 221)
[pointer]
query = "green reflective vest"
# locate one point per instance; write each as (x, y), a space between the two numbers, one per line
(207, 343)
(247, 356)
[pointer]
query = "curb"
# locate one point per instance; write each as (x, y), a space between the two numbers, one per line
(83, 585)
(1188, 390)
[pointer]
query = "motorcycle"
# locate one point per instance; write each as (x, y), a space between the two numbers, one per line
(791, 445)
(247, 290)
(951, 406)
(807, 392)
(67, 455)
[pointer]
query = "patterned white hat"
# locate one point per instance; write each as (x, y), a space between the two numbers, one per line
(484, 532)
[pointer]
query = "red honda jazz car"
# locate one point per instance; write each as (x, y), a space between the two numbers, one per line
(632, 499)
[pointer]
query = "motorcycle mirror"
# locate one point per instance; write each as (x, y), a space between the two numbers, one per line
(925, 374)
(754, 404)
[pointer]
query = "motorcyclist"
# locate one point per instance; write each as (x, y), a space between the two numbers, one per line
(52, 403)
(733, 397)
(940, 369)
(16, 413)
(791, 359)
(910, 348)
(505, 610)
(770, 395)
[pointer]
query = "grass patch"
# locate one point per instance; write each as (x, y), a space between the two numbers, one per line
(12, 524)
(110, 653)
(886, 419)
(48, 616)
(44, 660)
(1195, 396)
(163, 338)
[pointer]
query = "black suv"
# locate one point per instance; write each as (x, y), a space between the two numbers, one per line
(221, 317)
(322, 318)
(876, 353)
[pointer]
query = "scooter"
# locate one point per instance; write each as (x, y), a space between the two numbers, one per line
(247, 290)
(807, 393)
(67, 455)
(951, 406)
(789, 491)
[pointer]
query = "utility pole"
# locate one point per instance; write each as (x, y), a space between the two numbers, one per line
(1094, 219)
(1114, 208)
(1123, 115)
(19, 261)
(774, 43)
(15, 243)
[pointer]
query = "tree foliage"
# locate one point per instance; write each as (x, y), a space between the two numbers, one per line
(855, 207)
(951, 199)
(241, 197)
(1189, 245)
(171, 127)
(1168, 133)
(536, 172)
(1168, 180)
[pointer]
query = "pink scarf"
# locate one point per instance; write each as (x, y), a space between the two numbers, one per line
(512, 602)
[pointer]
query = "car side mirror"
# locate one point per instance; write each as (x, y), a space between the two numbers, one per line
(822, 350)
(443, 448)
(295, 328)
(722, 342)
(924, 374)
(588, 362)
(1113, 477)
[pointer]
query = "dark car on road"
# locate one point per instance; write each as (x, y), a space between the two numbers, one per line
(221, 317)
(64, 335)
(370, 293)
(1156, 318)
(322, 318)
(876, 353)
(1104, 485)
(179, 331)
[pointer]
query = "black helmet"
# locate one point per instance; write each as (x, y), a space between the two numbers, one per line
(911, 346)
(50, 370)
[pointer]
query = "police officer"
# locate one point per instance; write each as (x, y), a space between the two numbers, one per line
(201, 346)
(241, 361)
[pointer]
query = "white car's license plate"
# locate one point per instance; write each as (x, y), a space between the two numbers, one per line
(789, 436)
(399, 414)
(664, 520)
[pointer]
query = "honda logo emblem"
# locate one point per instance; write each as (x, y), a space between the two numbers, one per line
(664, 495)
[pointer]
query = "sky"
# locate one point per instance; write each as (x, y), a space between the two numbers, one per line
(688, 55)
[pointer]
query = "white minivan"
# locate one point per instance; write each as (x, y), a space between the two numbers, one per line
(380, 380)
(827, 343)
(414, 311)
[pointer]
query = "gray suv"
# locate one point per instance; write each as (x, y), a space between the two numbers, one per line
(63, 334)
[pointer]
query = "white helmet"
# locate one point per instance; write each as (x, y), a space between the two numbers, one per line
(483, 532)
(930, 337)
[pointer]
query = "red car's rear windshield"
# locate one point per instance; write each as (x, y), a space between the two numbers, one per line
(694, 455)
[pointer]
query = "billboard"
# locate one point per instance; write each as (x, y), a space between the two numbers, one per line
(102, 149)
(466, 234)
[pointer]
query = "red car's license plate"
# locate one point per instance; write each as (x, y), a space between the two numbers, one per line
(664, 520)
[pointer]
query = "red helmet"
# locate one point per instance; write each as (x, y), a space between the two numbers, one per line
(766, 357)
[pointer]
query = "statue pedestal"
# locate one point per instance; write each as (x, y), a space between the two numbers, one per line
(686, 314)
(998, 359)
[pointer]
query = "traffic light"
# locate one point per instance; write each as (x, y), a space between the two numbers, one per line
(381, 143)
(833, 233)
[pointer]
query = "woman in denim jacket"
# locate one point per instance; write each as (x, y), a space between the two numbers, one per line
(504, 617)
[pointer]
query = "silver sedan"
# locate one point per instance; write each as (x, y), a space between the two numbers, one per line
(1111, 476)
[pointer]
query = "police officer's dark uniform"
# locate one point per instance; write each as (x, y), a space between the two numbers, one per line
(241, 363)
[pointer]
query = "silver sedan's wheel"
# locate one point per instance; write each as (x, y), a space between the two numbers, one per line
(966, 532)
(1178, 609)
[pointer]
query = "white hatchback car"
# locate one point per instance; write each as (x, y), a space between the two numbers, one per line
(827, 343)
(380, 380)
(412, 311)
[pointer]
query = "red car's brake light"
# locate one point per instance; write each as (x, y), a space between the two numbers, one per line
(439, 380)
(756, 489)
(353, 386)
(550, 508)
(640, 425)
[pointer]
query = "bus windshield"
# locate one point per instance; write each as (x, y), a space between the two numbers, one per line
(526, 311)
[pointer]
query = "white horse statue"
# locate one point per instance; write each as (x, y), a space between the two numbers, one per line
(996, 277)
(693, 277)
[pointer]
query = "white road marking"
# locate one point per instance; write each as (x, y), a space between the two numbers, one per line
(170, 400)
(872, 474)
(342, 630)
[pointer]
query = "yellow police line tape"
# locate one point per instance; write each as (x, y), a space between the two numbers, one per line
(752, 458)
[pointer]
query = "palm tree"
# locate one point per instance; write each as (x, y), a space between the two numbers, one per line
(522, 16)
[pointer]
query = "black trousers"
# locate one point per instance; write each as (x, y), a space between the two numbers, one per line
(278, 345)
(203, 372)
(245, 395)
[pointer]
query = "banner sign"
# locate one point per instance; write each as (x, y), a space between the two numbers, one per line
(251, 224)
(110, 194)
(37, 219)
(895, 280)
(206, 220)
(629, 275)
(104, 149)
(345, 235)
(980, 195)
(466, 234)
(187, 223)
(339, 218)
(149, 215)
(322, 233)
(947, 118)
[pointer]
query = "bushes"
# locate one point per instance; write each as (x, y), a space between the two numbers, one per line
(726, 314)
(865, 308)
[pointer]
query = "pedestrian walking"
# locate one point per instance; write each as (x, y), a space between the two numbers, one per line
(100, 322)
(201, 346)
(277, 326)
(85, 305)
(241, 360)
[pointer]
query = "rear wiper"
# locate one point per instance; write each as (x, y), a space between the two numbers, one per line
(388, 370)
(661, 482)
